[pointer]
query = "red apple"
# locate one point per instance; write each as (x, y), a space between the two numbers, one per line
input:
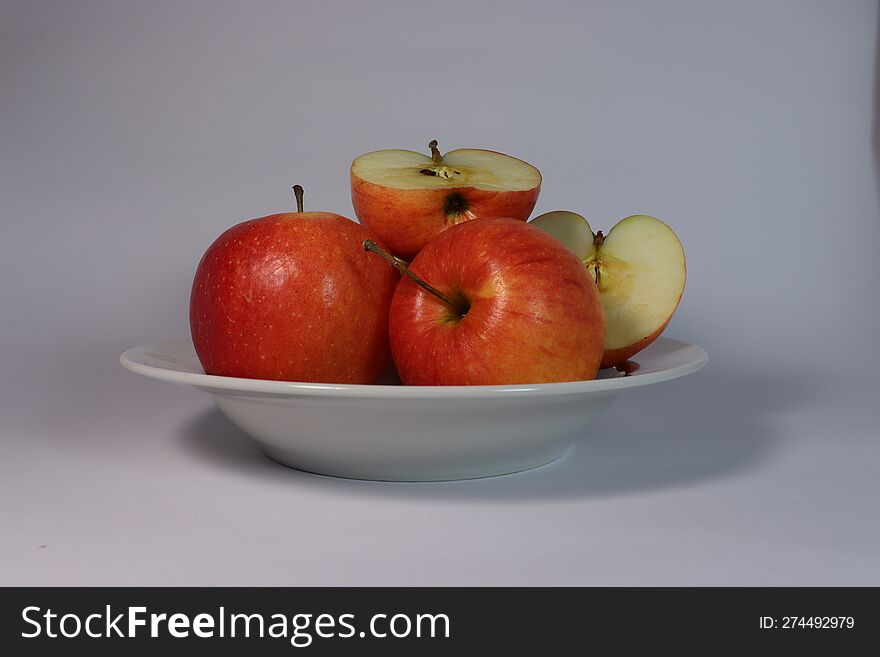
(292, 297)
(408, 198)
(495, 302)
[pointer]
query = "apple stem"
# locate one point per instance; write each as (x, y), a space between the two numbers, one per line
(598, 241)
(402, 266)
(298, 192)
(435, 152)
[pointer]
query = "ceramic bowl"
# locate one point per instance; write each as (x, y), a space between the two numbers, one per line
(413, 433)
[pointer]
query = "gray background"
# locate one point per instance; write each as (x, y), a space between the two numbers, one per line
(132, 134)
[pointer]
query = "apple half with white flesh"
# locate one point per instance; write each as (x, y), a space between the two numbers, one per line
(408, 198)
(639, 268)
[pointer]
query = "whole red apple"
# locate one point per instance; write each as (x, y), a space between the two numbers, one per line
(495, 302)
(292, 297)
(408, 198)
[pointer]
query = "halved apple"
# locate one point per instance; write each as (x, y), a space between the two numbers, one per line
(639, 268)
(408, 198)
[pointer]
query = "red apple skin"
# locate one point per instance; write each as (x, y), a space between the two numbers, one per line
(407, 219)
(293, 297)
(535, 314)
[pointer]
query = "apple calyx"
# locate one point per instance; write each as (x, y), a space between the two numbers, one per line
(437, 167)
(298, 192)
(626, 368)
(460, 307)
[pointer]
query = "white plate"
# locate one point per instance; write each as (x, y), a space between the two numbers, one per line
(412, 433)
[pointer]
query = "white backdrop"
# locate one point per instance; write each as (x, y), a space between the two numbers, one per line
(132, 134)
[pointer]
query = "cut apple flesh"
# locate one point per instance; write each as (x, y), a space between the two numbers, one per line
(466, 167)
(639, 268)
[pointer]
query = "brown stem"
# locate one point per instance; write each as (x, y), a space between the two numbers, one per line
(401, 266)
(598, 241)
(435, 152)
(298, 192)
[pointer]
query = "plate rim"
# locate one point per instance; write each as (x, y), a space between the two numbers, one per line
(242, 386)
